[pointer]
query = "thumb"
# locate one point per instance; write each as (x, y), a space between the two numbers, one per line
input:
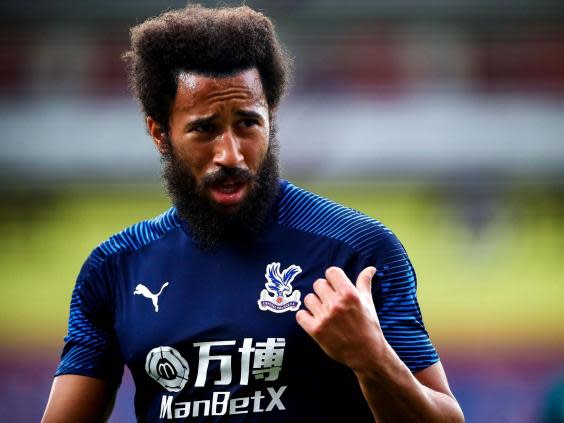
(364, 280)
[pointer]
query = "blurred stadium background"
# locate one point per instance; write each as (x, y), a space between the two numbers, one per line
(444, 120)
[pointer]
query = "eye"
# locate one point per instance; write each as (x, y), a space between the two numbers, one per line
(248, 123)
(203, 128)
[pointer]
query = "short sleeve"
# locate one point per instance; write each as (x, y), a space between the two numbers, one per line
(395, 297)
(90, 345)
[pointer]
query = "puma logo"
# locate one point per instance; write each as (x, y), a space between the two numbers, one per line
(143, 290)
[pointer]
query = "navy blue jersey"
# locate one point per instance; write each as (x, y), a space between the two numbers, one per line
(212, 335)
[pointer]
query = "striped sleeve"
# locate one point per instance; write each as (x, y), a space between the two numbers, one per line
(395, 297)
(90, 346)
(375, 245)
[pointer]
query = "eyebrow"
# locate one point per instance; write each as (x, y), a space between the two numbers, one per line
(249, 114)
(209, 119)
(202, 121)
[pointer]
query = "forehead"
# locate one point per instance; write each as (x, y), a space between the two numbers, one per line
(195, 89)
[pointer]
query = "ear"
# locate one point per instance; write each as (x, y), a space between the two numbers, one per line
(158, 134)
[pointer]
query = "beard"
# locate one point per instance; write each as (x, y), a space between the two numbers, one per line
(210, 223)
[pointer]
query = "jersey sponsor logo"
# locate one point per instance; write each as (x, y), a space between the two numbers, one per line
(222, 404)
(279, 296)
(258, 360)
(166, 366)
(141, 289)
(262, 360)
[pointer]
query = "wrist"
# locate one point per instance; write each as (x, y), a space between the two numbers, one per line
(376, 360)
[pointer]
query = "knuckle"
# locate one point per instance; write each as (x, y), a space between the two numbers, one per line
(319, 328)
(332, 272)
(309, 298)
(319, 283)
(338, 308)
(348, 296)
(301, 316)
(315, 331)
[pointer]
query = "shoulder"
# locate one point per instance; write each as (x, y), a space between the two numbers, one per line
(134, 237)
(308, 212)
(94, 285)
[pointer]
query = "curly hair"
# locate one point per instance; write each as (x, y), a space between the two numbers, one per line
(211, 41)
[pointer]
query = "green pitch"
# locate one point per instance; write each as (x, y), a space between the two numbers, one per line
(498, 283)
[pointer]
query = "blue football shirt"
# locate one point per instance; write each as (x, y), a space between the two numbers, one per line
(212, 335)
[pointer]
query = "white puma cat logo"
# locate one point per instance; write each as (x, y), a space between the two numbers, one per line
(143, 290)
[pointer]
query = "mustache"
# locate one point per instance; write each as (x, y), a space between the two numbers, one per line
(237, 174)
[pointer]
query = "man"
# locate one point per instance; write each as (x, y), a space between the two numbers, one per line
(251, 299)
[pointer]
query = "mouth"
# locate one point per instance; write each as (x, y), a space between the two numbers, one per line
(229, 192)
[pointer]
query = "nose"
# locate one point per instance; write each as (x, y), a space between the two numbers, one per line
(228, 151)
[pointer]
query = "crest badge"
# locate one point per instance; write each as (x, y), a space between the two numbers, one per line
(279, 295)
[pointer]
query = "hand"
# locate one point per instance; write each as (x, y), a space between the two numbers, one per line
(342, 319)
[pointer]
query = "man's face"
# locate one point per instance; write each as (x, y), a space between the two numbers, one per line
(220, 124)
(220, 158)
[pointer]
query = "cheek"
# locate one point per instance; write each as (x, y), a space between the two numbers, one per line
(200, 162)
(256, 153)
(195, 157)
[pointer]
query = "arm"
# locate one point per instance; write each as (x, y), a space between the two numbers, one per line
(395, 394)
(342, 319)
(76, 398)
(91, 365)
